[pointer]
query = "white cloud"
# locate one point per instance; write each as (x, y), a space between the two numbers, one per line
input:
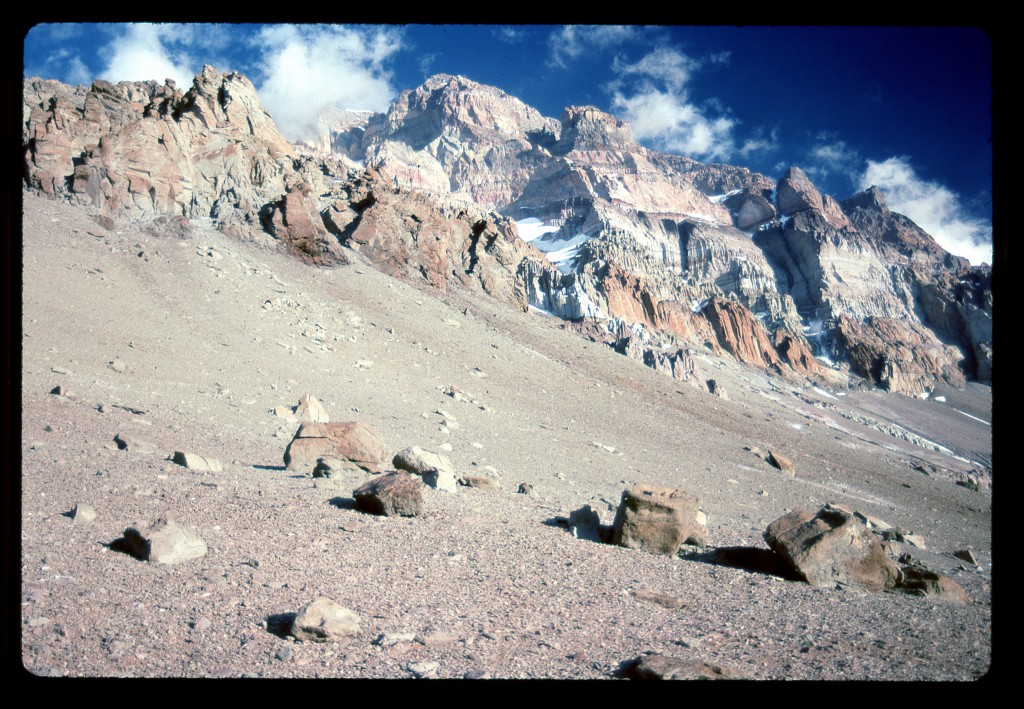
(831, 155)
(572, 41)
(311, 68)
(140, 53)
(64, 65)
(511, 35)
(659, 108)
(759, 143)
(934, 208)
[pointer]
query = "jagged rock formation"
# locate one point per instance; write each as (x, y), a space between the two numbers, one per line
(465, 186)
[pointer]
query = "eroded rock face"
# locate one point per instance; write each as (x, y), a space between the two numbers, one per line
(832, 547)
(351, 441)
(898, 355)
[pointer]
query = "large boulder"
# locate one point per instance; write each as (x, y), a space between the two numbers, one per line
(392, 494)
(658, 520)
(832, 547)
(351, 441)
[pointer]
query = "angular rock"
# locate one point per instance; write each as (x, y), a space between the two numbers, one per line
(780, 461)
(324, 621)
(666, 667)
(83, 513)
(193, 461)
(966, 555)
(658, 520)
(922, 581)
(389, 639)
(284, 412)
(309, 409)
(585, 523)
(165, 542)
(660, 599)
(391, 494)
(525, 489)
(352, 441)
(435, 469)
(832, 547)
(128, 443)
(424, 670)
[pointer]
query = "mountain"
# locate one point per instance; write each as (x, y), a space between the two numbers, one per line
(461, 185)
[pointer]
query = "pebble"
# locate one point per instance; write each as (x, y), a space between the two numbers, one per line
(423, 670)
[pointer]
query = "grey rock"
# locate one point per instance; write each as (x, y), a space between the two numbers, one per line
(323, 621)
(165, 542)
(193, 461)
(83, 513)
(666, 667)
(135, 445)
(389, 639)
(435, 469)
(424, 670)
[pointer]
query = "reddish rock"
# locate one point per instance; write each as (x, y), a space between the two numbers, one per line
(391, 494)
(741, 334)
(832, 547)
(347, 441)
(658, 520)
(921, 581)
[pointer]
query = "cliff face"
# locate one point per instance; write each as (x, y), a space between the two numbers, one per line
(460, 185)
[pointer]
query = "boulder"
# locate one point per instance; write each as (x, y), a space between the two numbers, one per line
(352, 441)
(192, 461)
(832, 547)
(435, 469)
(391, 494)
(480, 481)
(164, 542)
(323, 621)
(658, 520)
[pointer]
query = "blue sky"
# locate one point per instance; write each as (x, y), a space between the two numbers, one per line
(907, 109)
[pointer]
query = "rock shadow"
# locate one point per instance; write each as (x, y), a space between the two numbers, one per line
(124, 545)
(270, 467)
(753, 559)
(343, 503)
(280, 624)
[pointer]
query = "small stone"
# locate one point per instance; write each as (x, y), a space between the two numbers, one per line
(165, 542)
(284, 654)
(780, 461)
(193, 461)
(525, 489)
(83, 513)
(661, 599)
(424, 670)
(966, 555)
(202, 625)
(665, 667)
(117, 365)
(135, 445)
(324, 620)
(61, 390)
(476, 673)
(389, 639)
(479, 481)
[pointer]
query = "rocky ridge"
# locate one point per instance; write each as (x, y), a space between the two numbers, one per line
(455, 171)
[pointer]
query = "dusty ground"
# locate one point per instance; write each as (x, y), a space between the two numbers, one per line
(211, 334)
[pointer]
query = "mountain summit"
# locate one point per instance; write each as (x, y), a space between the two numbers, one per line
(461, 185)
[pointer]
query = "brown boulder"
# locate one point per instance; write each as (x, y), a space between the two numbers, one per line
(658, 520)
(351, 440)
(391, 494)
(922, 581)
(666, 667)
(832, 547)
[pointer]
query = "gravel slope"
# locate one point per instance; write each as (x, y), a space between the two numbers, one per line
(207, 335)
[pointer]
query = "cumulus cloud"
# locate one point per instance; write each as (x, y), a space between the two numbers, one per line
(758, 143)
(511, 35)
(143, 52)
(310, 69)
(934, 208)
(652, 95)
(573, 41)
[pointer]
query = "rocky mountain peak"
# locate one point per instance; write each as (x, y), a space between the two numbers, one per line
(871, 199)
(589, 128)
(796, 193)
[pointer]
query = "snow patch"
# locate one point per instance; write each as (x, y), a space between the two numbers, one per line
(971, 417)
(939, 398)
(719, 198)
(532, 228)
(823, 392)
(699, 305)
